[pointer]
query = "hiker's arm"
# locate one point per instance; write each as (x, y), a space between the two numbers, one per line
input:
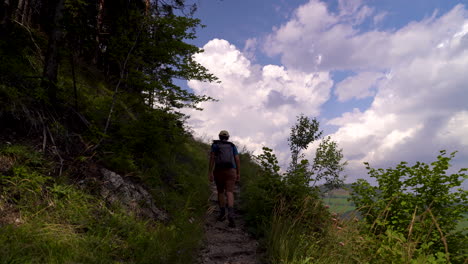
(211, 167)
(237, 167)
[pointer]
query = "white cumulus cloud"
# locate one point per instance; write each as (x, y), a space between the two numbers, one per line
(415, 75)
(257, 104)
(419, 109)
(359, 86)
(315, 31)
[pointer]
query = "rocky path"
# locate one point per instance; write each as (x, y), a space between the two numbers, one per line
(225, 245)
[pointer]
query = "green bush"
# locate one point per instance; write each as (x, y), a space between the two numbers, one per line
(420, 202)
(285, 208)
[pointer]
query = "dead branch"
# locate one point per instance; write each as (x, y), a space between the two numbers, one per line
(54, 147)
(122, 72)
(114, 96)
(39, 51)
(442, 237)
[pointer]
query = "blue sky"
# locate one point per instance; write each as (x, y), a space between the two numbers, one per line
(384, 77)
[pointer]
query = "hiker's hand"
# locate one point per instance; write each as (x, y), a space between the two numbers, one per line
(238, 177)
(211, 176)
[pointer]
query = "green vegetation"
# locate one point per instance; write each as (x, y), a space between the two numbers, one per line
(287, 212)
(420, 203)
(463, 224)
(303, 231)
(340, 205)
(45, 220)
(285, 209)
(86, 85)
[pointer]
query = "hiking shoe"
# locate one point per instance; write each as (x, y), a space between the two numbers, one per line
(231, 222)
(221, 217)
(222, 214)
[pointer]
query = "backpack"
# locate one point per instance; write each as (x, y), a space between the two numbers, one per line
(224, 154)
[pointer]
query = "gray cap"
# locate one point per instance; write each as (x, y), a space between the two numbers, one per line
(224, 133)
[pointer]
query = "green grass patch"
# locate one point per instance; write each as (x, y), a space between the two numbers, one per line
(55, 222)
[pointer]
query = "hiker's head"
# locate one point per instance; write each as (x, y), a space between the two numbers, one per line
(223, 135)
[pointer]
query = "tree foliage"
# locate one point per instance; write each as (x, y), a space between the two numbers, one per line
(327, 165)
(292, 191)
(104, 95)
(420, 200)
(95, 67)
(304, 132)
(111, 97)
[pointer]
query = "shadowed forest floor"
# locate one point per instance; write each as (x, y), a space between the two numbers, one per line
(225, 245)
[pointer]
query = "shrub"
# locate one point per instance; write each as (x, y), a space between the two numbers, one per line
(421, 201)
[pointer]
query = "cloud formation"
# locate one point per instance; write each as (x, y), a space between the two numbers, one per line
(257, 104)
(359, 86)
(416, 76)
(419, 109)
(314, 32)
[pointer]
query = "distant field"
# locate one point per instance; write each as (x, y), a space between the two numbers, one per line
(338, 201)
(463, 224)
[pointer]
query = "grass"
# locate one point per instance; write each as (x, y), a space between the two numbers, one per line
(289, 238)
(44, 220)
(344, 241)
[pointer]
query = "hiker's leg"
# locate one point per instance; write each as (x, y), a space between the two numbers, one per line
(222, 206)
(230, 199)
(230, 208)
(230, 183)
(222, 199)
(220, 186)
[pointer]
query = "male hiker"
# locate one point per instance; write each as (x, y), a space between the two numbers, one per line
(224, 169)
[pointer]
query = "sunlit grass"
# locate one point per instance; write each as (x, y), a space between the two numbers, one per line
(55, 222)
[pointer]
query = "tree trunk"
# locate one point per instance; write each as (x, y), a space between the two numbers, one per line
(24, 12)
(100, 21)
(5, 14)
(30, 12)
(52, 56)
(72, 62)
(147, 7)
(19, 10)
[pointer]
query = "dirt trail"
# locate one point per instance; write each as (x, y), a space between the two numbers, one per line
(225, 245)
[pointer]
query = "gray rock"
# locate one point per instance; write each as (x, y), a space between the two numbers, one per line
(132, 196)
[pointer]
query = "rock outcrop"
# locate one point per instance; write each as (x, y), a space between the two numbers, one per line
(116, 189)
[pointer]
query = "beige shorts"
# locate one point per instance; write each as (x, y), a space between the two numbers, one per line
(225, 179)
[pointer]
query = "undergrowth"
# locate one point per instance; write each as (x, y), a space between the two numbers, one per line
(298, 229)
(44, 216)
(45, 220)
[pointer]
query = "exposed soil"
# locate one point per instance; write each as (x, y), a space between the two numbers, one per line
(9, 215)
(226, 245)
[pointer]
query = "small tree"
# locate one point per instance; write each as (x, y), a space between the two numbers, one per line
(327, 165)
(304, 132)
(290, 195)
